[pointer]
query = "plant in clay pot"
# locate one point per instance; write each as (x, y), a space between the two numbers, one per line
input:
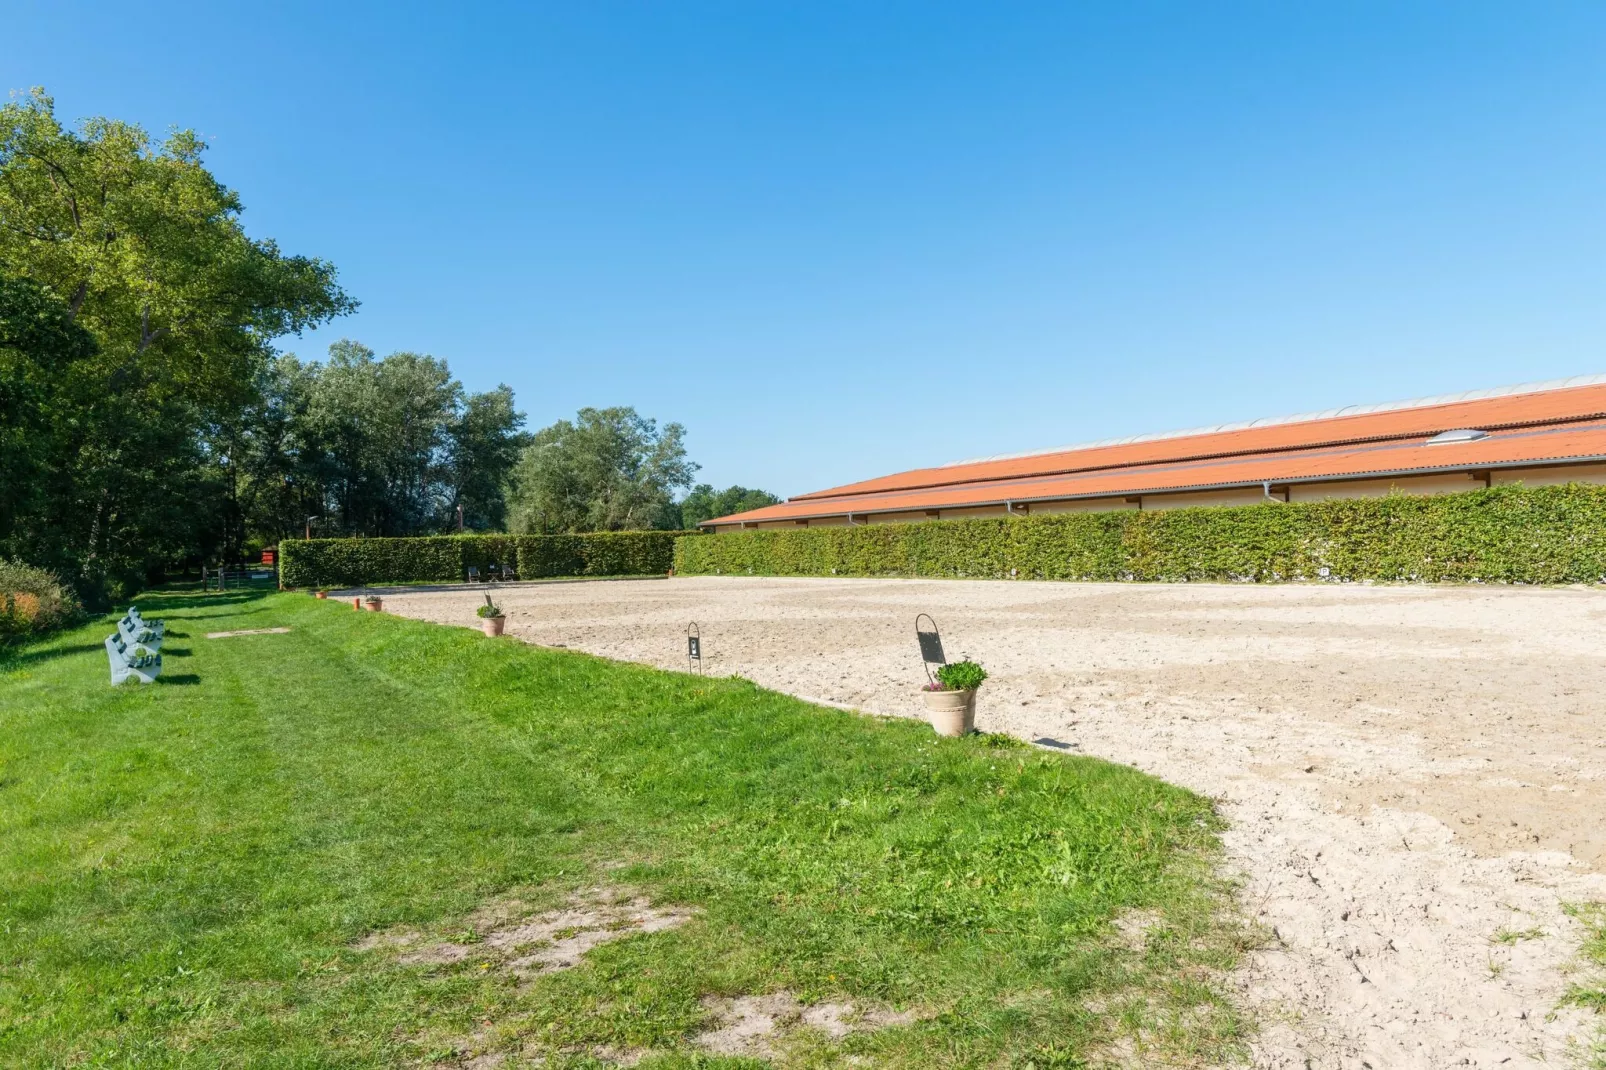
(491, 619)
(951, 699)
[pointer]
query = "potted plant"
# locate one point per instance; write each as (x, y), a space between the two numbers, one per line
(951, 700)
(491, 619)
(320, 593)
(373, 602)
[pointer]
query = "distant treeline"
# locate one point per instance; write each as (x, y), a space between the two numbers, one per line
(149, 422)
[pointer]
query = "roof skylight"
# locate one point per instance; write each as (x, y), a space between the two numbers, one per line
(1460, 434)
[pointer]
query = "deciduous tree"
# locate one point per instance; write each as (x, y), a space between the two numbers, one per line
(608, 470)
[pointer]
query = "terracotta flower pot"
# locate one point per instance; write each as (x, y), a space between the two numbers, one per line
(375, 604)
(951, 713)
(356, 603)
(492, 625)
(320, 594)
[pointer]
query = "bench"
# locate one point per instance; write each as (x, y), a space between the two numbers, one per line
(127, 662)
(493, 571)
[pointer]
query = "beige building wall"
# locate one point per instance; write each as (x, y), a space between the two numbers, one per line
(898, 518)
(1439, 483)
(1549, 477)
(1194, 499)
(1084, 505)
(980, 510)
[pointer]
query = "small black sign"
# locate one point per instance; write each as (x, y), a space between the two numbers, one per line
(931, 648)
(694, 647)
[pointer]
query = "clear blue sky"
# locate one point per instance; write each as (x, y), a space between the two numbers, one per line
(840, 239)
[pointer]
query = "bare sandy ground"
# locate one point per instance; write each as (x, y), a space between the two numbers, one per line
(1415, 777)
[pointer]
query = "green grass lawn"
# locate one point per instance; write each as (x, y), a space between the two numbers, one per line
(187, 870)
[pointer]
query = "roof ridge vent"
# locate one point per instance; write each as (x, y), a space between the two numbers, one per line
(1459, 434)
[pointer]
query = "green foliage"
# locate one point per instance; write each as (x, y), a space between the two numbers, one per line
(199, 890)
(144, 250)
(32, 601)
(39, 343)
(1508, 534)
(489, 609)
(609, 470)
(446, 558)
(355, 562)
(961, 676)
(1588, 987)
(607, 553)
(705, 503)
(389, 447)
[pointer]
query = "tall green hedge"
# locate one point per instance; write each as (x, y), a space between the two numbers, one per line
(447, 558)
(1509, 534)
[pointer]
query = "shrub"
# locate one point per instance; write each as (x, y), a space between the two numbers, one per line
(32, 600)
(446, 558)
(961, 676)
(1509, 534)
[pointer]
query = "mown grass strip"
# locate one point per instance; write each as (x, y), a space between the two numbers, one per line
(185, 868)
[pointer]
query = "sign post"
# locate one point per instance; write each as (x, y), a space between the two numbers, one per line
(694, 648)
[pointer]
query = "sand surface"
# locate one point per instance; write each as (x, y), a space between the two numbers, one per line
(1409, 772)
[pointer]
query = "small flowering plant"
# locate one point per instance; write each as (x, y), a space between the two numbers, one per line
(960, 676)
(489, 609)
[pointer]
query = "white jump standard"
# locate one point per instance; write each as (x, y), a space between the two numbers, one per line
(127, 662)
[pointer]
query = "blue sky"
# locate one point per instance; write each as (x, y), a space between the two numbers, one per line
(840, 239)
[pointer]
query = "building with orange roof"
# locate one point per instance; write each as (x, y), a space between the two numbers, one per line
(1535, 433)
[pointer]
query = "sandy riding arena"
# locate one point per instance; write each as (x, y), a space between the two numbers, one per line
(1415, 777)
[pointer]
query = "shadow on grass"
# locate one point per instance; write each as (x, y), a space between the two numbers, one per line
(160, 601)
(183, 679)
(18, 658)
(184, 605)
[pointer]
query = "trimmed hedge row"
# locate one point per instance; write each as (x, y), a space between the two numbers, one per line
(1510, 534)
(447, 558)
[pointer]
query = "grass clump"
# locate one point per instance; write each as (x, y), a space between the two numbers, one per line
(1590, 992)
(190, 872)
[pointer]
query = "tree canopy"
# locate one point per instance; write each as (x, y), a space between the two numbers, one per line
(377, 447)
(143, 250)
(706, 503)
(608, 470)
(148, 419)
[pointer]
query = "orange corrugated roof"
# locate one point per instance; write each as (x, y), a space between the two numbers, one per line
(1566, 424)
